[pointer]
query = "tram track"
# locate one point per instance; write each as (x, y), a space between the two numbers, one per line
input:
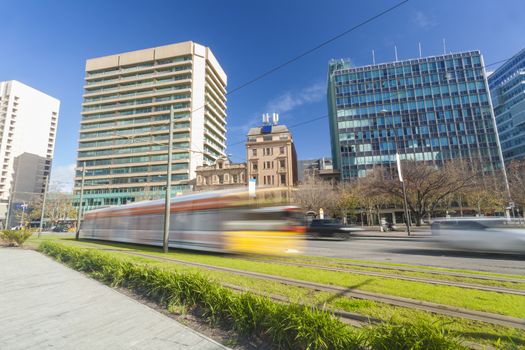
(350, 318)
(428, 271)
(440, 309)
(399, 277)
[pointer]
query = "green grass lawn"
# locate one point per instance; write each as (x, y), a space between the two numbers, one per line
(505, 304)
(424, 267)
(469, 330)
(470, 280)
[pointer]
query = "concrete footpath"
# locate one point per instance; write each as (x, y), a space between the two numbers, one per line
(44, 304)
(400, 232)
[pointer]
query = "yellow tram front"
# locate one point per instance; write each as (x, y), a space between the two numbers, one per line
(275, 230)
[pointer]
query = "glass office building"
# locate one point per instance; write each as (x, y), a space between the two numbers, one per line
(507, 86)
(430, 109)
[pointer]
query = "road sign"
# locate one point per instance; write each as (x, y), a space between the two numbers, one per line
(252, 183)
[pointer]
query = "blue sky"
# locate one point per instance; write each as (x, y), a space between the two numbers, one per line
(45, 44)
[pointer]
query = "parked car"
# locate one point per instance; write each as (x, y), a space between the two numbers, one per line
(326, 228)
(60, 229)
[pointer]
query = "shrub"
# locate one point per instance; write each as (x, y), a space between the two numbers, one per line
(15, 238)
(419, 335)
(284, 326)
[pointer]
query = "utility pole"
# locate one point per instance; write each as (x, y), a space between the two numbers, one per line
(43, 205)
(7, 214)
(167, 212)
(79, 214)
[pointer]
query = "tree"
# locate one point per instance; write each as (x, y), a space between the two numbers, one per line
(346, 199)
(59, 206)
(314, 194)
(426, 185)
(486, 195)
(516, 177)
(369, 199)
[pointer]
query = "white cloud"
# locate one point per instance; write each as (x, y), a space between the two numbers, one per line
(281, 104)
(291, 100)
(424, 21)
(249, 122)
(62, 178)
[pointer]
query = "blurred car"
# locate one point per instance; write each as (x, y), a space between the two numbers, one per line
(60, 229)
(499, 235)
(325, 228)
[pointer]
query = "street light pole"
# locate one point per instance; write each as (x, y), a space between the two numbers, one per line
(43, 205)
(399, 171)
(405, 202)
(79, 214)
(167, 212)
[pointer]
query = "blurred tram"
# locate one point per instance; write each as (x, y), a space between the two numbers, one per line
(218, 221)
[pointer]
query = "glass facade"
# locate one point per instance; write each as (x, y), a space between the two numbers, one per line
(507, 86)
(429, 109)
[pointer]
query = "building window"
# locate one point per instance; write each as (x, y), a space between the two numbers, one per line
(281, 150)
(254, 166)
(254, 152)
(283, 179)
(268, 165)
(221, 179)
(282, 163)
(268, 151)
(234, 179)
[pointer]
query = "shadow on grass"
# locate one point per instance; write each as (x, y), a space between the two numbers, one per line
(343, 293)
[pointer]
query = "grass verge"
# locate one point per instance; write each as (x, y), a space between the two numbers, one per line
(474, 331)
(284, 326)
(504, 304)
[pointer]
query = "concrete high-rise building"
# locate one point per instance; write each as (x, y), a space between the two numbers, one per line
(28, 123)
(507, 86)
(271, 156)
(429, 109)
(125, 120)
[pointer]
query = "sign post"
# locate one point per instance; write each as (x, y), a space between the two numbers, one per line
(252, 185)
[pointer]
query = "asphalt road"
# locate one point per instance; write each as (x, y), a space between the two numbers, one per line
(417, 251)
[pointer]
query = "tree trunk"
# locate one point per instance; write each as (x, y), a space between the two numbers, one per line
(419, 216)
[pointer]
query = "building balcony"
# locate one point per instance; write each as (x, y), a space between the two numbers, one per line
(91, 84)
(118, 72)
(138, 86)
